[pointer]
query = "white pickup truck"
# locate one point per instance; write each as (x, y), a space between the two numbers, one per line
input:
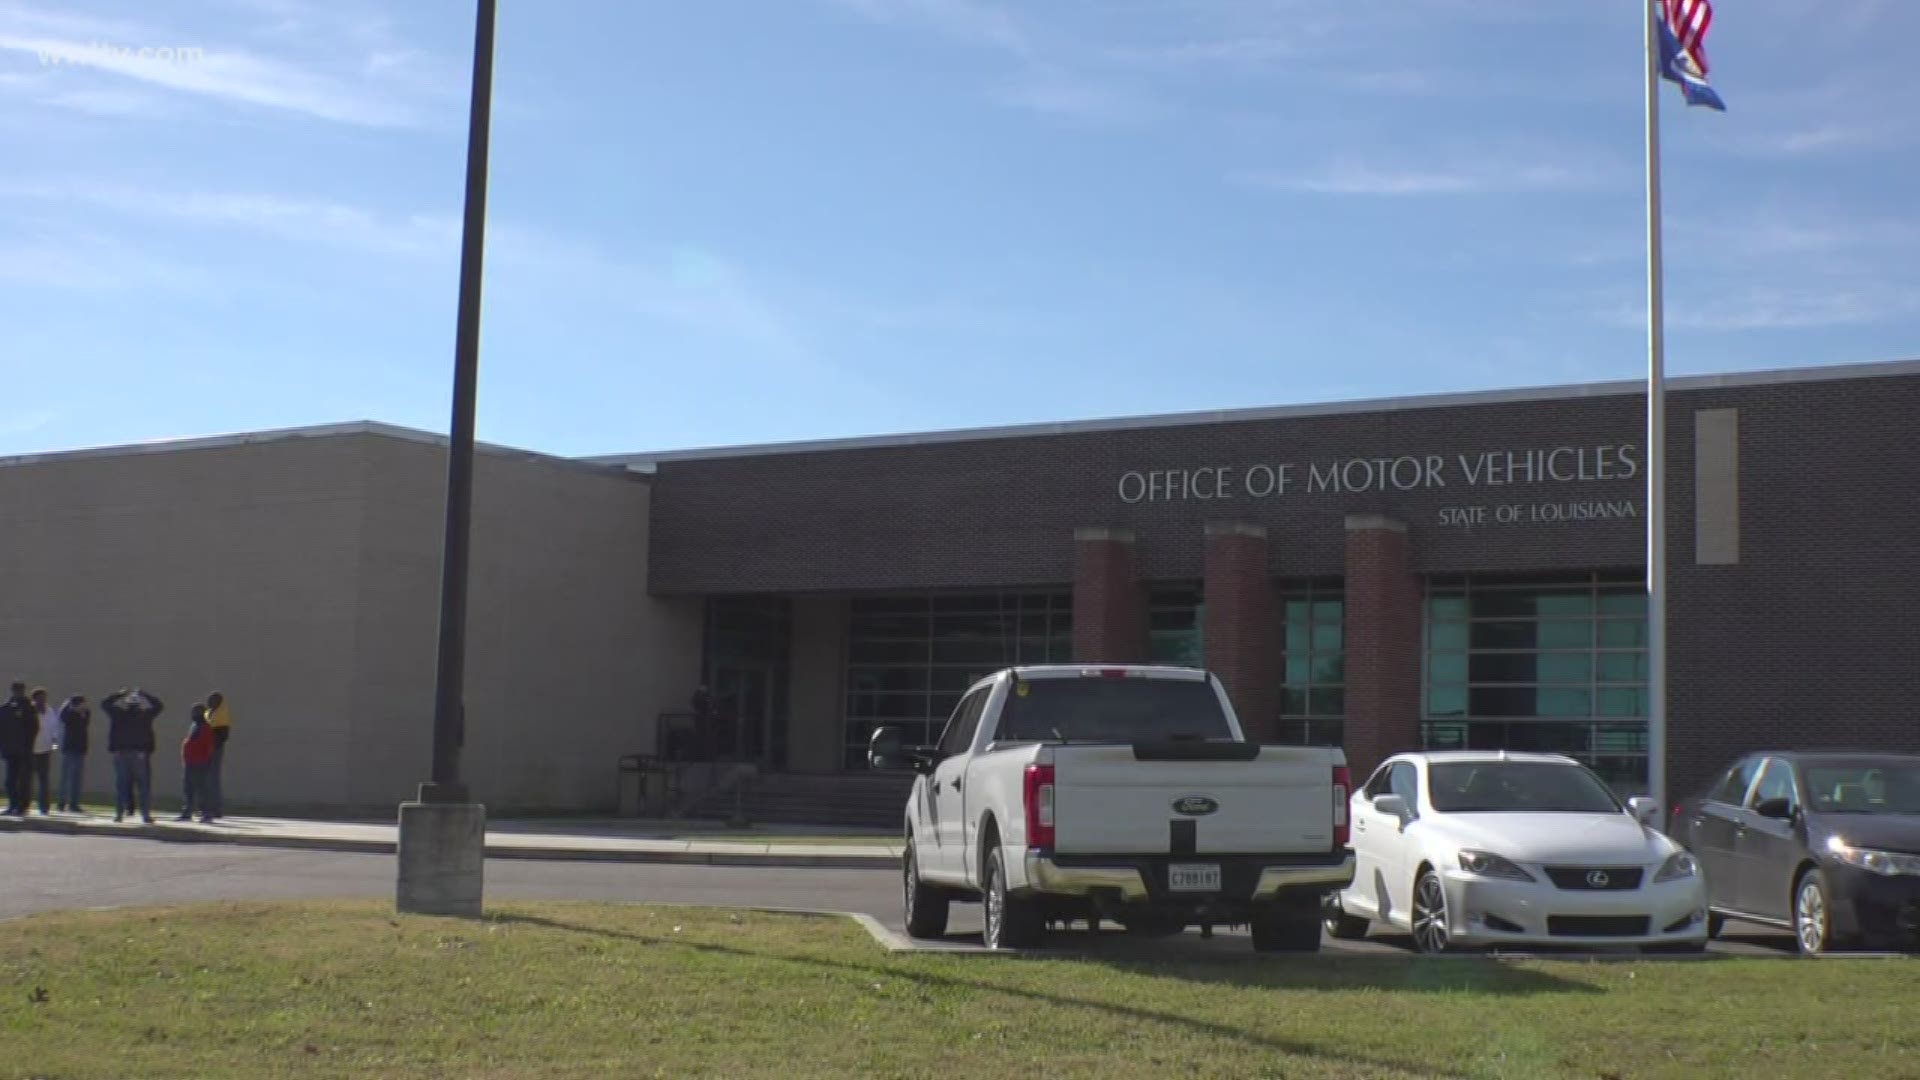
(1073, 793)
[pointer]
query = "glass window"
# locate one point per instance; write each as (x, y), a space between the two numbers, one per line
(1469, 787)
(1406, 783)
(1377, 783)
(1175, 616)
(909, 658)
(1776, 782)
(966, 720)
(1732, 788)
(1560, 663)
(1113, 710)
(1868, 786)
(1312, 636)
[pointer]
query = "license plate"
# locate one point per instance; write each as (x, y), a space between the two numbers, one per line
(1193, 877)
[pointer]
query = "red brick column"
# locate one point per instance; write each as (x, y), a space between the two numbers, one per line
(1109, 603)
(1239, 624)
(1383, 636)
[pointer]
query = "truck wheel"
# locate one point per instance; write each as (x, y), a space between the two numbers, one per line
(1341, 925)
(926, 905)
(1286, 929)
(1011, 923)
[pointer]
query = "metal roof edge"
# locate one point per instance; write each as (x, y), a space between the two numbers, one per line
(313, 431)
(645, 462)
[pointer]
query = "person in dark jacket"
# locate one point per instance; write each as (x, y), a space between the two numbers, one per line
(130, 739)
(75, 717)
(19, 725)
(196, 760)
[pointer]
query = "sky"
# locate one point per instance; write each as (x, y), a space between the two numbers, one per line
(743, 221)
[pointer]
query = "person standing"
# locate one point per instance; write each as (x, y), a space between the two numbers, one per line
(75, 716)
(19, 724)
(43, 739)
(130, 715)
(220, 719)
(196, 759)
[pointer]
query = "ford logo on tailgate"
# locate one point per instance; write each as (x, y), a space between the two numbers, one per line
(1194, 805)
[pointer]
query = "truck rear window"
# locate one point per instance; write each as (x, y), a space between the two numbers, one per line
(1113, 711)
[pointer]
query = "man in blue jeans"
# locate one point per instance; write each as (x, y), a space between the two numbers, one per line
(75, 716)
(130, 715)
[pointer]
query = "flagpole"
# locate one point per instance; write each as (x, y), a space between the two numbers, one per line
(1656, 435)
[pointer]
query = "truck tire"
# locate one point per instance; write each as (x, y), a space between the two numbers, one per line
(1278, 928)
(1011, 923)
(926, 905)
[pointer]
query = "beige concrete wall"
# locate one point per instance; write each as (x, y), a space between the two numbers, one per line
(233, 568)
(817, 706)
(301, 575)
(569, 660)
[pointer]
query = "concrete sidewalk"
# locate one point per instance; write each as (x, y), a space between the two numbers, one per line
(601, 840)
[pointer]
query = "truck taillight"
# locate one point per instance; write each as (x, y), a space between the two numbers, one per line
(1038, 793)
(1342, 829)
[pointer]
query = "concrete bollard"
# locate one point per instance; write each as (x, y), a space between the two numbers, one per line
(442, 857)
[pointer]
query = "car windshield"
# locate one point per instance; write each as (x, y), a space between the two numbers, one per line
(1485, 787)
(1113, 710)
(1864, 788)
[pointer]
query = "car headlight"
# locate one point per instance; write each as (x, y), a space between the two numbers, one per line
(1888, 863)
(1678, 865)
(1487, 864)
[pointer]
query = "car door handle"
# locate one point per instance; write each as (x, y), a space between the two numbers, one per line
(956, 783)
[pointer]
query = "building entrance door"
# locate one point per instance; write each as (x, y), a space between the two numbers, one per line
(743, 702)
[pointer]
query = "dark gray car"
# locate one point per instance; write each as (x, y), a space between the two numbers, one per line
(1824, 844)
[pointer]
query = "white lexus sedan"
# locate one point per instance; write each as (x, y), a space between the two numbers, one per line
(1465, 848)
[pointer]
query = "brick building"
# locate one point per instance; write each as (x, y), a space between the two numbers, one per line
(1456, 570)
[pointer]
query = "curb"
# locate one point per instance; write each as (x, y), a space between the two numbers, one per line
(494, 848)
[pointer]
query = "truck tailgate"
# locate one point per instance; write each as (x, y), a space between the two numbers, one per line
(1109, 800)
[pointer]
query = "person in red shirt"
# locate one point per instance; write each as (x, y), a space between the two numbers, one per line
(196, 753)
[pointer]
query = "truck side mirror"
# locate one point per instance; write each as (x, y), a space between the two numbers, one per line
(886, 753)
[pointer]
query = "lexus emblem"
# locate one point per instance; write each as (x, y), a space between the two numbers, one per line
(1598, 878)
(1195, 805)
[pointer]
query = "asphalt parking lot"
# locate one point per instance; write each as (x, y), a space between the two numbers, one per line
(41, 872)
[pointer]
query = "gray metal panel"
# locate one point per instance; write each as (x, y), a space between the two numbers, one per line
(1716, 479)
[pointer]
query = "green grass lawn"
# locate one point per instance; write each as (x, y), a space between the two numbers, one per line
(582, 990)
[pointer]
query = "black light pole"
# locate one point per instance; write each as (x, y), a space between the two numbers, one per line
(441, 853)
(449, 707)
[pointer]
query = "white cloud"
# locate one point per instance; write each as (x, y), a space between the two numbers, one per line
(1811, 305)
(341, 68)
(312, 221)
(966, 20)
(1068, 96)
(1464, 176)
(81, 261)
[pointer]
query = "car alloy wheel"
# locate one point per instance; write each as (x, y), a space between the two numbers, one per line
(1810, 919)
(1430, 914)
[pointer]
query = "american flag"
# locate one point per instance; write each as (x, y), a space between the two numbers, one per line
(1683, 52)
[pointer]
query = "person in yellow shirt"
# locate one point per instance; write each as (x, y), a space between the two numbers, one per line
(220, 719)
